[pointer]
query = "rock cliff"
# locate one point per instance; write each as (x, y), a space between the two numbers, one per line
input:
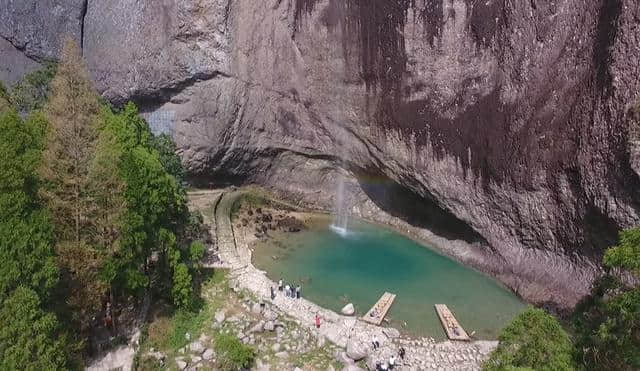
(503, 127)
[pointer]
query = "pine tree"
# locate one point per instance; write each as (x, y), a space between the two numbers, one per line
(72, 113)
(70, 144)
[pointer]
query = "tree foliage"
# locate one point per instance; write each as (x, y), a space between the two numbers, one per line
(72, 114)
(90, 203)
(626, 254)
(166, 149)
(25, 232)
(533, 340)
(32, 91)
(607, 322)
(30, 338)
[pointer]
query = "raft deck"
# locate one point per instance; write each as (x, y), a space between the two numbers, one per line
(377, 313)
(450, 324)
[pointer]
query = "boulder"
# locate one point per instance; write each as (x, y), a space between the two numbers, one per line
(348, 310)
(269, 326)
(219, 316)
(343, 358)
(356, 350)
(181, 364)
(275, 347)
(270, 315)
(256, 308)
(258, 327)
(196, 347)
(208, 354)
(282, 354)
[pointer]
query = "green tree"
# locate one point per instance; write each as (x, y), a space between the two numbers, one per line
(166, 149)
(155, 209)
(32, 91)
(26, 237)
(534, 340)
(607, 322)
(30, 338)
(626, 255)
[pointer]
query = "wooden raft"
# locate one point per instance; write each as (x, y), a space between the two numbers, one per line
(377, 313)
(450, 324)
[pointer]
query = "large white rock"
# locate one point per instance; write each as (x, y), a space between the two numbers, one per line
(220, 316)
(356, 351)
(348, 310)
(196, 347)
(181, 364)
(269, 326)
(343, 358)
(258, 327)
(208, 354)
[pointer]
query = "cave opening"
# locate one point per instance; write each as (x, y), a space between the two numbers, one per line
(417, 210)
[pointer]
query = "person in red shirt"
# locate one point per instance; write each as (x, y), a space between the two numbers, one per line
(317, 321)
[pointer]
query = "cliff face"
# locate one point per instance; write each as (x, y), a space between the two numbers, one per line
(501, 126)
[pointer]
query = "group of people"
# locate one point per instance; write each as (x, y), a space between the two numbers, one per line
(289, 290)
(391, 363)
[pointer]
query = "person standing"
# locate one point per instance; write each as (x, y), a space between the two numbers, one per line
(392, 362)
(280, 285)
(401, 352)
(287, 290)
(317, 321)
(298, 292)
(273, 293)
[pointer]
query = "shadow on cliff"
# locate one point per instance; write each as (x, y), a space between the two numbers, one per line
(422, 212)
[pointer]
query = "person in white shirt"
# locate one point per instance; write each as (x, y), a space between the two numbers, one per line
(392, 362)
(287, 290)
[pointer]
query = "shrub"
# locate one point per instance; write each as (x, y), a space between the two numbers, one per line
(534, 340)
(232, 353)
(186, 322)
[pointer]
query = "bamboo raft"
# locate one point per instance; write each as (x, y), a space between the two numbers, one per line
(377, 313)
(451, 326)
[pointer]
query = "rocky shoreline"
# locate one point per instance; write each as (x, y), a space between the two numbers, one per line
(346, 332)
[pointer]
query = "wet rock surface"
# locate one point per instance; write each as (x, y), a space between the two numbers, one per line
(498, 130)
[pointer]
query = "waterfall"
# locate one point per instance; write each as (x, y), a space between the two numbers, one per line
(340, 216)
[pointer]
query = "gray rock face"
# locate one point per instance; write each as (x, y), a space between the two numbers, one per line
(14, 63)
(149, 49)
(501, 127)
(39, 28)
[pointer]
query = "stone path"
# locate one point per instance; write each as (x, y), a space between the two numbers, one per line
(349, 332)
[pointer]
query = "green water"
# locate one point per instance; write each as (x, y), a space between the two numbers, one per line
(370, 260)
